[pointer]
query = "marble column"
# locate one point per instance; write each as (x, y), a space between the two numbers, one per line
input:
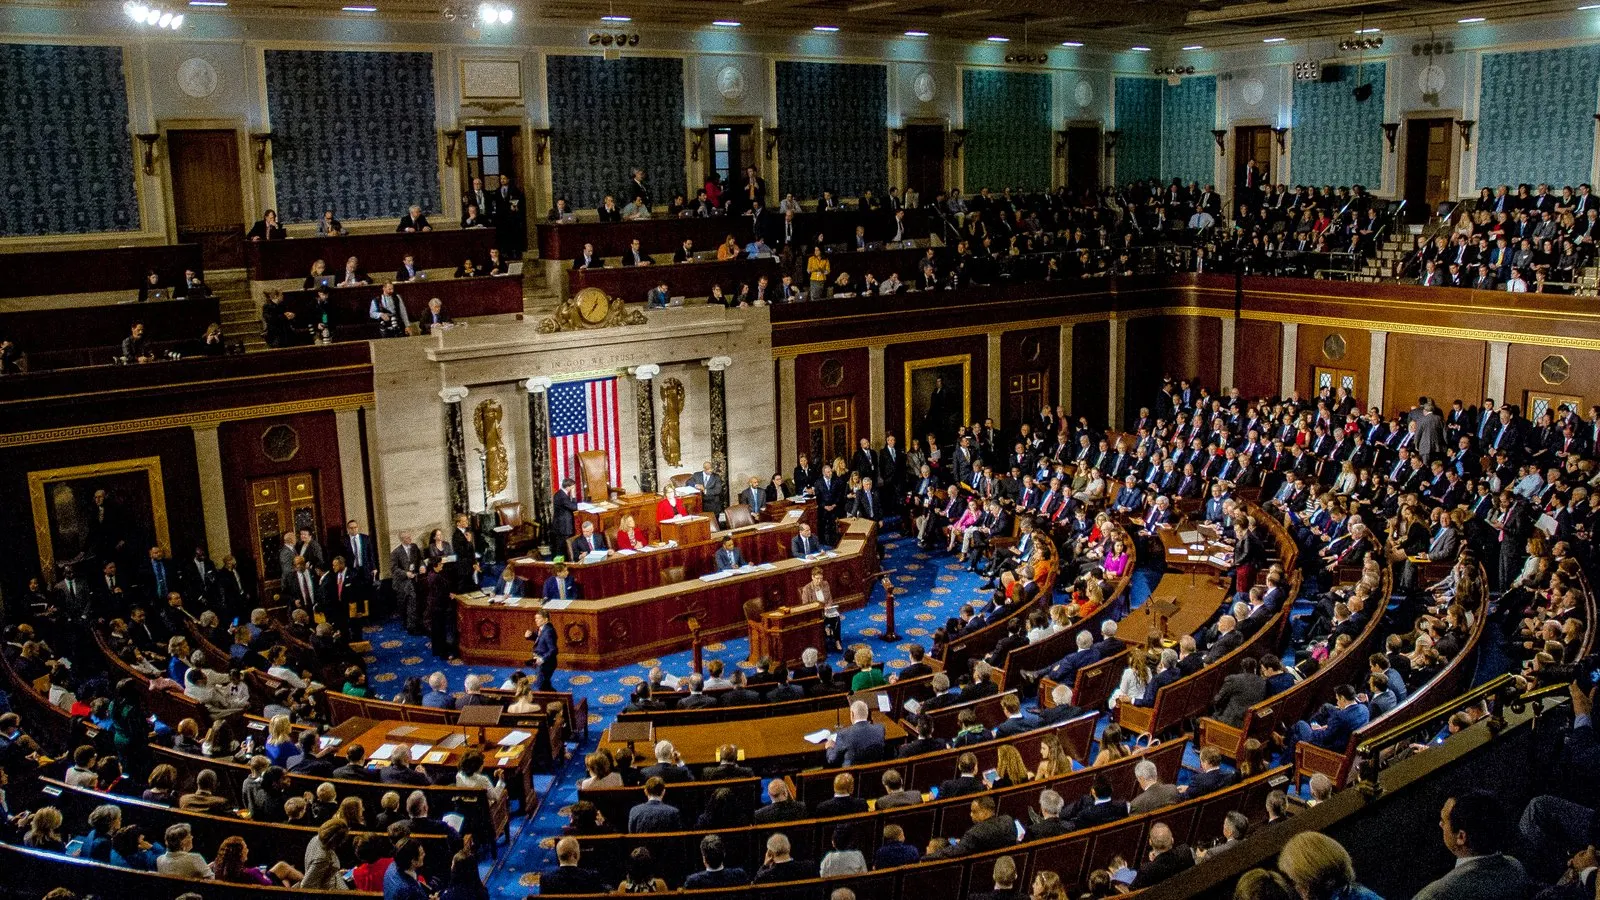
(347, 424)
(1494, 382)
(1118, 336)
(455, 446)
(645, 410)
(541, 496)
(718, 366)
(877, 414)
(788, 430)
(1064, 362)
(1230, 338)
(213, 492)
(1286, 365)
(1376, 364)
(994, 402)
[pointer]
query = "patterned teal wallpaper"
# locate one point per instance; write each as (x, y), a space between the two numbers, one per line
(1188, 113)
(1536, 116)
(609, 116)
(834, 120)
(1138, 106)
(352, 131)
(1336, 140)
(1009, 138)
(66, 149)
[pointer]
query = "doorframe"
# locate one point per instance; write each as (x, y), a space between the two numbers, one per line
(1407, 120)
(253, 204)
(695, 172)
(451, 187)
(1275, 164)
(899, 171)
(1058, 166)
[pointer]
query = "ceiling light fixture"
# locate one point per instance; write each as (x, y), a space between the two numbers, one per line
(1368, 30)
(726, 23)
(1588, 6)
(208, 2)
(1072, 43)
(916, 34)
(1470, 20)
(616, 18)
(142, 14)
(1194, 47)
(494, 14)
(1273, 40)
(1140, 49)
(998, 39)
(827, 28)
(360, 9)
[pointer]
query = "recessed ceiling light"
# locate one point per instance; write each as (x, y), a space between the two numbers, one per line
(360, 9)
(1194, 47)
(726, 23)
(1140, 49)
(824, 28)
(998, 39)
(1470, 20)
(616, 18)
(1588, 6)
(1273, 40)
(1368, 30)
(1072, 43)
(208, 2)
(916, 34)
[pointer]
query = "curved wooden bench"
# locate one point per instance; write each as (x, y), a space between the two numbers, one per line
(36, 872)
(690, 797)
(959, 652)
(169, 705)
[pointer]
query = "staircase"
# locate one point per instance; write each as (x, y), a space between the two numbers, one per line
(240, 314)
(1380, 265)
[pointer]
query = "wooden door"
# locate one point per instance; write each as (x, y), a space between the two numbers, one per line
(1251, 142)
(491, 151)
(1537, 403)
(1026, 392)
(207, 200)
(281, 503)
(831, 429)
(1083, 159)
(1428, 151)
(1333, 379)
(925, 160)
(731, 148)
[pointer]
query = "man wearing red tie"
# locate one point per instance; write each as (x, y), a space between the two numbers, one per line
(335, 604)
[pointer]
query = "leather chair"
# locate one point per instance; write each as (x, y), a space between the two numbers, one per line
(523, 534)
(672, 575)
(681, 479)
(738, 516)
(594, 473)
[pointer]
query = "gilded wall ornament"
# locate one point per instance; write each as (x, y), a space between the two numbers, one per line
(486, 419)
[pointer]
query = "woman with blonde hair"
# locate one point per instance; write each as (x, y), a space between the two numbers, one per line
(281, 746)
(1320, 869)
(1009, 768)
(522, 701)
(1135, 678)
(1047, 886)
(1054, 761)
(629, 537)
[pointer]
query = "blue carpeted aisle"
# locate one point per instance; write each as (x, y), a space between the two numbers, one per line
(932, 589)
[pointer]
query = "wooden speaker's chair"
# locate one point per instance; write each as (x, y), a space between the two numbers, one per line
(681, 479)
(594, 473)
(522, 533)
(739, 516)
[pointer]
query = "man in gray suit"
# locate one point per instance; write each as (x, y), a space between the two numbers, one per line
(1474, 826)
(1430, 429)
(861, 742)
(286, 555)
(1152, 793)
(711, 488)
(405, 564)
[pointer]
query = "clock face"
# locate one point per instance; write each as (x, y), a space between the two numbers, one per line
(593, 305)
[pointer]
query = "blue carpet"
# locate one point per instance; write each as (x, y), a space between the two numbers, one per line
(930, 590)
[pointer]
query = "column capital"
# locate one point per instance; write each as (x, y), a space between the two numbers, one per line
(537, 385)
(719, 363)
(645, 372)
(453, 394)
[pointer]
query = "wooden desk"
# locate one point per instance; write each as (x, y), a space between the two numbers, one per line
(1181, 557)
(292, 258)
(41, 273)
(1198, 598)
(641, 506)
(767, 743)
(687, 530)
(92, 335)
(786, 632)
(622, 572)
(603, 634)
(516, 763)
(690, 280)
(463, 298)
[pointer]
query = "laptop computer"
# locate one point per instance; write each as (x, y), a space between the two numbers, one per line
(514, 268)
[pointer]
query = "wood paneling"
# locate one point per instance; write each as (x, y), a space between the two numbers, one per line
(37, 274)
(1523, 362)
(1442, 368)
(895, 356)
(1310, 354)
(244, 457)
(1022, 354)
(175, 447)
(1091, 360)
(92, 335)
(1177, 346)
(1257, 358)
(813, 381)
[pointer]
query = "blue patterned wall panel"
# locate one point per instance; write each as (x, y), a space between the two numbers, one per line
(1138, 153)
(66, 151)
(1188, 113)
(834, 118)
(610, 116)
(1536, 116)
(1009, 138)
(1336, 140)
(352, 131)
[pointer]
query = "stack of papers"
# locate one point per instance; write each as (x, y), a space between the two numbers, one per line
(385, 752)
(436, 757)
(819, 737)
(594, 556)
(514, 738)
(557, 604)
(717, 576)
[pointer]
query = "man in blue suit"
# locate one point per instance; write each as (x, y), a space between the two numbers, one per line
(544, 650)
(1167, 672)
(1339, 720)
(729, 556)
(1129, 497)
(805, 543)
(509, 584)
(653, 815)
(438, 693)
(1064, 671)
(1016, 721)
(860, 742)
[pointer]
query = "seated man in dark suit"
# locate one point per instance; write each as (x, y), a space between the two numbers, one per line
(654, 814)
(844, 801)
(1064, 671)
(1061, 709)
(414, 222)
(588, 259)
(728, 556)
(1211, 777)
(589, 541)
(354, 767)
(1167, 858)
(560, 585)
(982, 683)
(715, 874)
(783, 808)
(1167, 672)
(509, 584)
(1332, 725)
(1016, 721)
(568, 877)
(727, 766)
(805, 543)
(861, 741)
(966, 780)
(696, 699)
(991, 830)
(669, 765)
(1098, 808)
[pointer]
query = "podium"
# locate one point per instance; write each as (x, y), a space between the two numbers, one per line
(784, 633)
(691, 530)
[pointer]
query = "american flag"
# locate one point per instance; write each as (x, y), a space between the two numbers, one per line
(583, 416)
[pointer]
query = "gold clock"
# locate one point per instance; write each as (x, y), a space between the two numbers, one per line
(593, 305)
